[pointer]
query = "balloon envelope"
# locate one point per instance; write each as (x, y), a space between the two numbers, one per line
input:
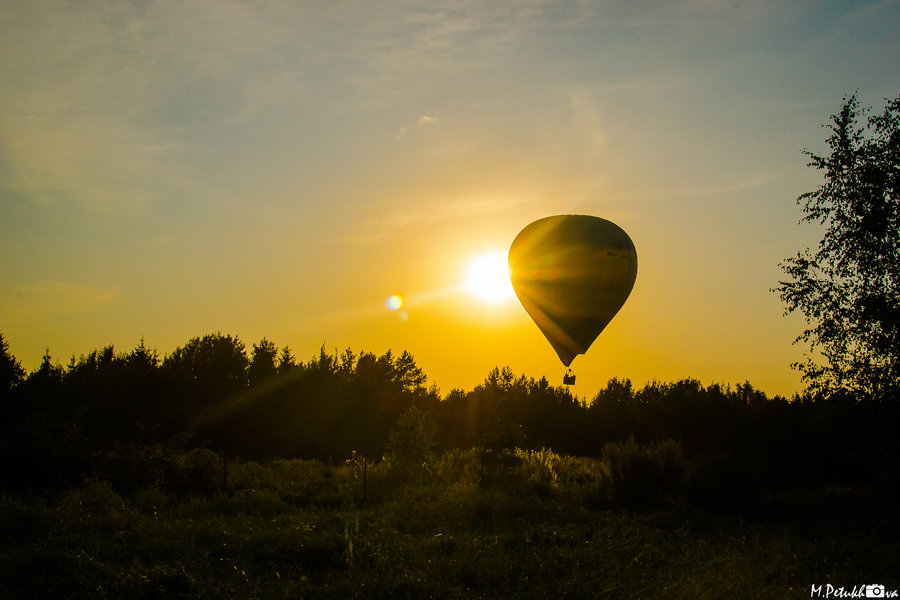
(572, 274)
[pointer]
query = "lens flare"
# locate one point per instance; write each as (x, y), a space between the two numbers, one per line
(394, 302)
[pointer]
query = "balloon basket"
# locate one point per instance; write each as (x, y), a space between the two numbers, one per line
(569, 378)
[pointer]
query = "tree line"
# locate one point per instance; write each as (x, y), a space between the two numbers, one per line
(66, 423)
(62, 423)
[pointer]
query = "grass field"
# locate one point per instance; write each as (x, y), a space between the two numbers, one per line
(541, 526)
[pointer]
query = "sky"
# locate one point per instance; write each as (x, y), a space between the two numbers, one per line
(279, 169)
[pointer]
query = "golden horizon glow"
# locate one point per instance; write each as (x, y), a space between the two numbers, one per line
(288, 175)
(487, 278)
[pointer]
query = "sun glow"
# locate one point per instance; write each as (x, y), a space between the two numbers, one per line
(487, 278)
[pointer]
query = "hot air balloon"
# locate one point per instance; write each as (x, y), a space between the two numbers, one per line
(572, 274)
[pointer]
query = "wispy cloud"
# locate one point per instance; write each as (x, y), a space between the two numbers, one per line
(45, 298)
(116, 104)
(748, 182)
(77, 84)
(396, 218)
(414, 42)
(119, 104)
(587, 120)
(422, 121)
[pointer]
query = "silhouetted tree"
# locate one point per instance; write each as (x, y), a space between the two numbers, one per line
(410, 377)
(611, 413)
(203, 374)
(286, 360)
(548, 417)
(380, 390)
(11, 371)
(124, 416)
(457, 421)
(495, 398)
(411, 442)
(43, 388)
(262, 362)
(44, 448)
(11, 376)
(849, 288)
(95, 384)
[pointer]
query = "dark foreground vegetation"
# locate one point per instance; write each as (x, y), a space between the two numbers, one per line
(541, 527)
(217, 473)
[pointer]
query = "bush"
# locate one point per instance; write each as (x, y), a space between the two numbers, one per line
(537, 469)
(199, 471)
(297, 481)
(581, 481)
(669, 457)
(258, 503)
(724, 482)
(411, 444)
(131, 467)
(22, 519)
(643, 476)
(150, 501)
(458, 466)
(54, 572)
(163, 581)
(95, 502)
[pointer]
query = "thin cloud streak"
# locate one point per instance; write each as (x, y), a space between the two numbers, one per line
(388, 221)
(118, 106)
(42, 299)
(748, 183)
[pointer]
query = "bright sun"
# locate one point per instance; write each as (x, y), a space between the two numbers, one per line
(488, 278)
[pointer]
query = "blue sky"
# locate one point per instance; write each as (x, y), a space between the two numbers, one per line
(280, 168)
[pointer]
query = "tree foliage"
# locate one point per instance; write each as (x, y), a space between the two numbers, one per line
(11, 371)
(121, 416)
(410, 442)
(849, 287)
(262, 362)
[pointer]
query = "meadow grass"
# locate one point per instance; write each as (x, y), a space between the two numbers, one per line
(536, 526)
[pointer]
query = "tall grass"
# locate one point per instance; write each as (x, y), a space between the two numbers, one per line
(533, 525)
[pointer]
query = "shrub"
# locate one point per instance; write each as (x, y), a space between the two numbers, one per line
(411, 443)
(669, 457)
(297, 481)
(199, 471)
(537, 469)
(150, 501)
(248, 476)
(22, 519)
(259, 503)
(643, 476)
(581, 481)
(724, 482)
(456, 465)
(55, 572)
(94, 502)
(164, 581)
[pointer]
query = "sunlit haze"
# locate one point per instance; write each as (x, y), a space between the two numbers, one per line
(338, 173)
